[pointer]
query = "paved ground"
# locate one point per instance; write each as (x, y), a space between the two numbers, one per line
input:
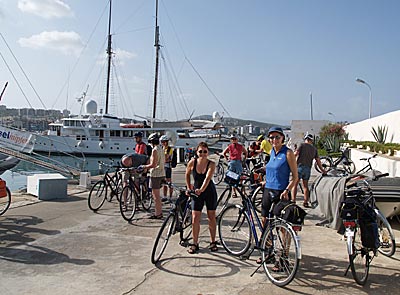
(61, 247)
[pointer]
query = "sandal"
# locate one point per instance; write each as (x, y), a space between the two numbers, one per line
(267, 259)
(156, 216)
(281, 265)
(213, 247)
(193, 248)
(306, 205)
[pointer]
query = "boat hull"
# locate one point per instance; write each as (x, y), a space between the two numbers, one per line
(387, 195)
(105, 147)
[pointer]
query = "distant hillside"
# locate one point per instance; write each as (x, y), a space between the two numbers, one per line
(234, 122)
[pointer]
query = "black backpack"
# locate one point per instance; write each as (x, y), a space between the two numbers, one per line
(174, 160)
(149, 149)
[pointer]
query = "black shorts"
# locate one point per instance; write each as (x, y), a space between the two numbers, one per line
(168, 172)
(209, 197)
(270, 196)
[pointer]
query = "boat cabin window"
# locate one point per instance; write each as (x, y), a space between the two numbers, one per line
(127, 133)
(115, 133)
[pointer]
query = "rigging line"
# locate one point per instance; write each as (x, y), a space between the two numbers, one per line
(128, 103)
(135, 30)
(173, 29)
(121, 96)
(22, 70)
(171, 86)
(131, 15)
(16, 81)
(179, 90)
(85, 81)
(209, 89)
(81, 53)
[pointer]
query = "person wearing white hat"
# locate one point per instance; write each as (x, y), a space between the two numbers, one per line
(305, 154)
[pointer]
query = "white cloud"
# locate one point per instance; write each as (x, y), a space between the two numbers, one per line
(46, 8)
(68, 43)
(121, 56)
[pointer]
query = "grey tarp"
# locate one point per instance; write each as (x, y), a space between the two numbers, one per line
(326, 195)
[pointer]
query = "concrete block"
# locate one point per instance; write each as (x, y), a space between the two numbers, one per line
(84, 180)
(47, 186)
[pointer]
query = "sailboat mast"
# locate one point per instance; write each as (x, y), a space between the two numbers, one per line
(109, 59)
(157, 46)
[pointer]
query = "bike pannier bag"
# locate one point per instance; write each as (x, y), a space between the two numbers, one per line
(349, 210)
(369, 228)
(232, 178)
(3, 190)
(290, 212)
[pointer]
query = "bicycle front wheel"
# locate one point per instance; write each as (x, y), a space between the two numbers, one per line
(116, 188)
(163, 236)
(326, 164)
(234, 230)
(359, 260)
(186, 231)
(97, 195)
(5, 202)
(387, 242)
(280, 250)
(257, 197)
(218, 174)
(349, 166)
(223, 200)
(127, 204)
(146, 197)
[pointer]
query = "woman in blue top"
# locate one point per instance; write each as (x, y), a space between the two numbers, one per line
(278, 182)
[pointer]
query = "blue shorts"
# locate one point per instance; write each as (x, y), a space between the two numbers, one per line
(304, 172)
(235, 166)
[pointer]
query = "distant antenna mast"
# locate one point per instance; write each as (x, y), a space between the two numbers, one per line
(312, 117)
(157, 46)
(2, 92)
(82, 99)
(109, 53)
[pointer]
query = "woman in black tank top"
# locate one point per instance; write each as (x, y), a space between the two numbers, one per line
(202, 170)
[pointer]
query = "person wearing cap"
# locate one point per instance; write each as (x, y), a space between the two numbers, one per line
(140, 147)
(305, 155)
(235, 151)
(168, 152)
(254, 150)
(266, 148)
(278, 183)
(157, 173)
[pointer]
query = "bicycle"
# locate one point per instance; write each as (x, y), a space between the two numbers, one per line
(342, 163)
(107, 188)
(179, 220)
(278, 244)
(250, 186)
(359, 205)
(5, 197)
(219, 170)
(135, 192)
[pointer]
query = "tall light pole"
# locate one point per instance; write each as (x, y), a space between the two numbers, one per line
(370, 94)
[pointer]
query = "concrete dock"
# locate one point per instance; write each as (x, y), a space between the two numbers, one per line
(62, 247)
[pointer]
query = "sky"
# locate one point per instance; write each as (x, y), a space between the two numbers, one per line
(270, 61)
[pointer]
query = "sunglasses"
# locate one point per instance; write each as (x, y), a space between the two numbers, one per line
(202, 152)
(275, 137)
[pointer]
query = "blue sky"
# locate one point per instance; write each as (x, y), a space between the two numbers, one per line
(261, 59)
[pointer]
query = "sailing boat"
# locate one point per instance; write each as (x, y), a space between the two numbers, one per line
(104, 134)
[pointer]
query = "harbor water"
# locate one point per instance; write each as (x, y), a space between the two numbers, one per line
(16, 177)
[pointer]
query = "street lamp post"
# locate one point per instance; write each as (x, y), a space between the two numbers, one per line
(370, 94)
